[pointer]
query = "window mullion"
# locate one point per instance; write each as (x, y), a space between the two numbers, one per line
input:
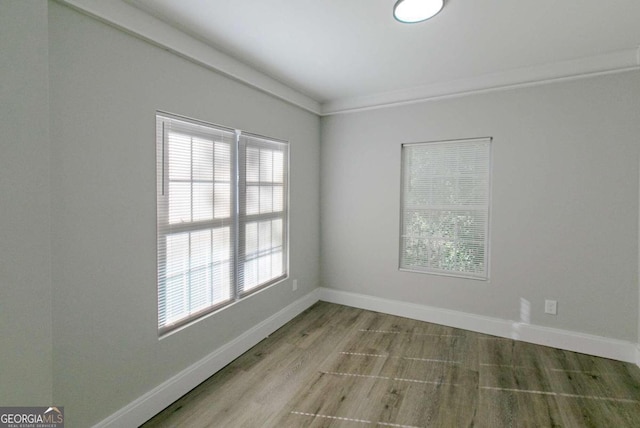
(213, 215)
(190, 271)
(236, 172)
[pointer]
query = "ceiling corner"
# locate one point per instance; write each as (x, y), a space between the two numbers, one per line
(142, 25)
(612, 62)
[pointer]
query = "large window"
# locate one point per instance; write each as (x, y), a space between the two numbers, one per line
(222, 217)
(445, 207)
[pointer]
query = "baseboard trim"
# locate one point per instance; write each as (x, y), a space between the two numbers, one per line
(561, 339)
(154, 401)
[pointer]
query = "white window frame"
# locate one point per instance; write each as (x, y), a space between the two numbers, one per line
(437, 248)
(236, 223)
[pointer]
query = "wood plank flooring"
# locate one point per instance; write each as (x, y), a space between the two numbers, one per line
(336, 366)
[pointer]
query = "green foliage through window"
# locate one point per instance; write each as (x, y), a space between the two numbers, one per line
(445, 207)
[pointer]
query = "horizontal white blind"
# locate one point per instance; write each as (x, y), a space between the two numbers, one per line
(222, 217)
(445, 207)
(263, 212)
(195, 221)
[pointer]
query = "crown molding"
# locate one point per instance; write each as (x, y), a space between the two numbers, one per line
(142, 25)
(613, 62)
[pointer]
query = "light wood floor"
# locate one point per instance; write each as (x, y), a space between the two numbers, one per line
(336, 366)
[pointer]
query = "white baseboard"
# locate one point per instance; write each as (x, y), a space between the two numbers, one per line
(562, 339)
(154, 401)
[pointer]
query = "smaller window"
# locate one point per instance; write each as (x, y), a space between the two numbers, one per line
(445, 207)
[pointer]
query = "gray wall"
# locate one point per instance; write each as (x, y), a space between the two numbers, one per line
(77, 207)
(25, 262)
(105, 89)
(564, 218)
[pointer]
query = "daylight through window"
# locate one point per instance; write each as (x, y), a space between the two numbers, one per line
(445, 207)
(222, 217)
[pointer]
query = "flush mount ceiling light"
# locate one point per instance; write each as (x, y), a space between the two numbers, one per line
(410, 11)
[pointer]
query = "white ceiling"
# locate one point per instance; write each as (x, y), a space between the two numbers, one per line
(337, 50)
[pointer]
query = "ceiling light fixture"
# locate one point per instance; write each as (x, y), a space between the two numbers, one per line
(410, 11)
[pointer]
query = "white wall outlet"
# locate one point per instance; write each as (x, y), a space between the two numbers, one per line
(295, 285)
(551, 307)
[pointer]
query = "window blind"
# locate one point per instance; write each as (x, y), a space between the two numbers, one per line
(263, 214)
(222, 217)
(445, 207)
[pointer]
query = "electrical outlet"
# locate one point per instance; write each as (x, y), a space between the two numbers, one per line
(295, 284)
(551, 307)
